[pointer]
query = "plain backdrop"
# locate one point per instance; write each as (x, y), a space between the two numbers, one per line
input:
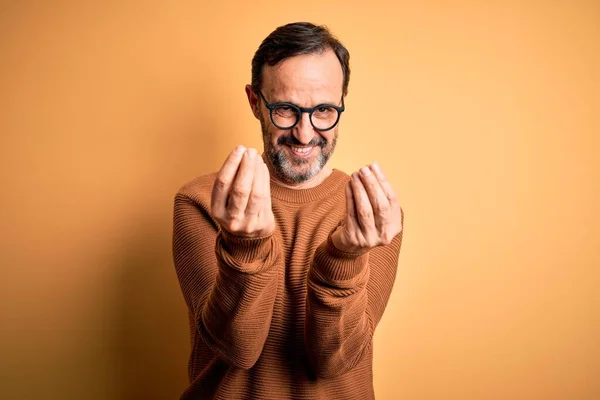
(483, 114)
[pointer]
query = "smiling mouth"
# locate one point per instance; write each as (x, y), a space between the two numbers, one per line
(302, 152)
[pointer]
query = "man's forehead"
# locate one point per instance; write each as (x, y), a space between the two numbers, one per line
(319, 74)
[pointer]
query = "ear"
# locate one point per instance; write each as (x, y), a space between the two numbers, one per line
(253, 101)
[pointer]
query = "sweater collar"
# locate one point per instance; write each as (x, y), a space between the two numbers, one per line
(324, 189)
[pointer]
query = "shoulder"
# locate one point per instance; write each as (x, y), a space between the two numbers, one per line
(339, 179)
(198, 190)
(340, 175)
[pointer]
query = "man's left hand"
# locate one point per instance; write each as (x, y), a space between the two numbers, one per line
(373, 215)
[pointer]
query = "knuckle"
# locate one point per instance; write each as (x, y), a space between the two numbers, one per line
(383, 205)
(357, 242)
(373, 239)
(233, 209)
(239, 192)
(381, 208)
(365, 214)
(220, 183)
(235, 219)
(231, 225)
(257, 197)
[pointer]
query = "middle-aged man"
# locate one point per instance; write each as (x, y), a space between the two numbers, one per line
(286, 265)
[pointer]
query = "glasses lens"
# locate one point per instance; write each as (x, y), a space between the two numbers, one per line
(324, 117)
(284, 116)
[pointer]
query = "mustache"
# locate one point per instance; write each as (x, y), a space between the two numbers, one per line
(290, 140)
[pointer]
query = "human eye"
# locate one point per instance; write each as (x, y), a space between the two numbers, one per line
(324, 111)
(285, 110)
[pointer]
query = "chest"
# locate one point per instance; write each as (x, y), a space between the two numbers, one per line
(304, 227)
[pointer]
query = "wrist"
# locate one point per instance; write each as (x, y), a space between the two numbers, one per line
(339, 241)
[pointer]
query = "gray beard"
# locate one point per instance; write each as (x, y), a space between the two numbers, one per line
(284, 167)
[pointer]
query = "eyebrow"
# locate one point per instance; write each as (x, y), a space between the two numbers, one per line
(296, 104)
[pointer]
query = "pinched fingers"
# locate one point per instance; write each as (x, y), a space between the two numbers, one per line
(258, 219)
(266, 190)
(224, 180)
(242, 204)
(379, 202)
(393, 224)
(350, 206)
(385, 184)
(376, 211)
(362, 205)
(352, 225)
(242, 186)
(257, 195)
(266, 216)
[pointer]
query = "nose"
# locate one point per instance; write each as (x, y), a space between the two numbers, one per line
(304, 131)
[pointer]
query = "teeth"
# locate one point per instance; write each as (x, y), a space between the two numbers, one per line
(301, 150)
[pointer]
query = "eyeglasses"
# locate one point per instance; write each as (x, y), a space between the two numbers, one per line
(287, 115)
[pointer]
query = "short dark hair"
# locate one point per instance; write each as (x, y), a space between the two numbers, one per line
(295, 39)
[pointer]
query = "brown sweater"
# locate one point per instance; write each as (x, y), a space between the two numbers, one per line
(286, 316)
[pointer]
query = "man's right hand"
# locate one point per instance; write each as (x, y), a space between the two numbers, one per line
(241, 196)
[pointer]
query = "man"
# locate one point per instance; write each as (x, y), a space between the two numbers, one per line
(286, 265)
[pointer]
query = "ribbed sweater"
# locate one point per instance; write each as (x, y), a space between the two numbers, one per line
(287, 316)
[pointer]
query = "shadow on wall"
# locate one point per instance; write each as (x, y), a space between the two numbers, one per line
(151, 343)
(151, 346)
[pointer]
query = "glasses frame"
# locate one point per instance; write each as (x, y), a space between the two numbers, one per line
(300, 110)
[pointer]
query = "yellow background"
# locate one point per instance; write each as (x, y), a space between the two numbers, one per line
(485, 116)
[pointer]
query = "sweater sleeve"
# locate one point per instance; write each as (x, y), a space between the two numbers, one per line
(346, 297)
(229, 283)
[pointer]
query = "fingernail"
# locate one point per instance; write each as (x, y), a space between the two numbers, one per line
(240, 149)
(252, 153)
(375, 167)
(365, 171)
